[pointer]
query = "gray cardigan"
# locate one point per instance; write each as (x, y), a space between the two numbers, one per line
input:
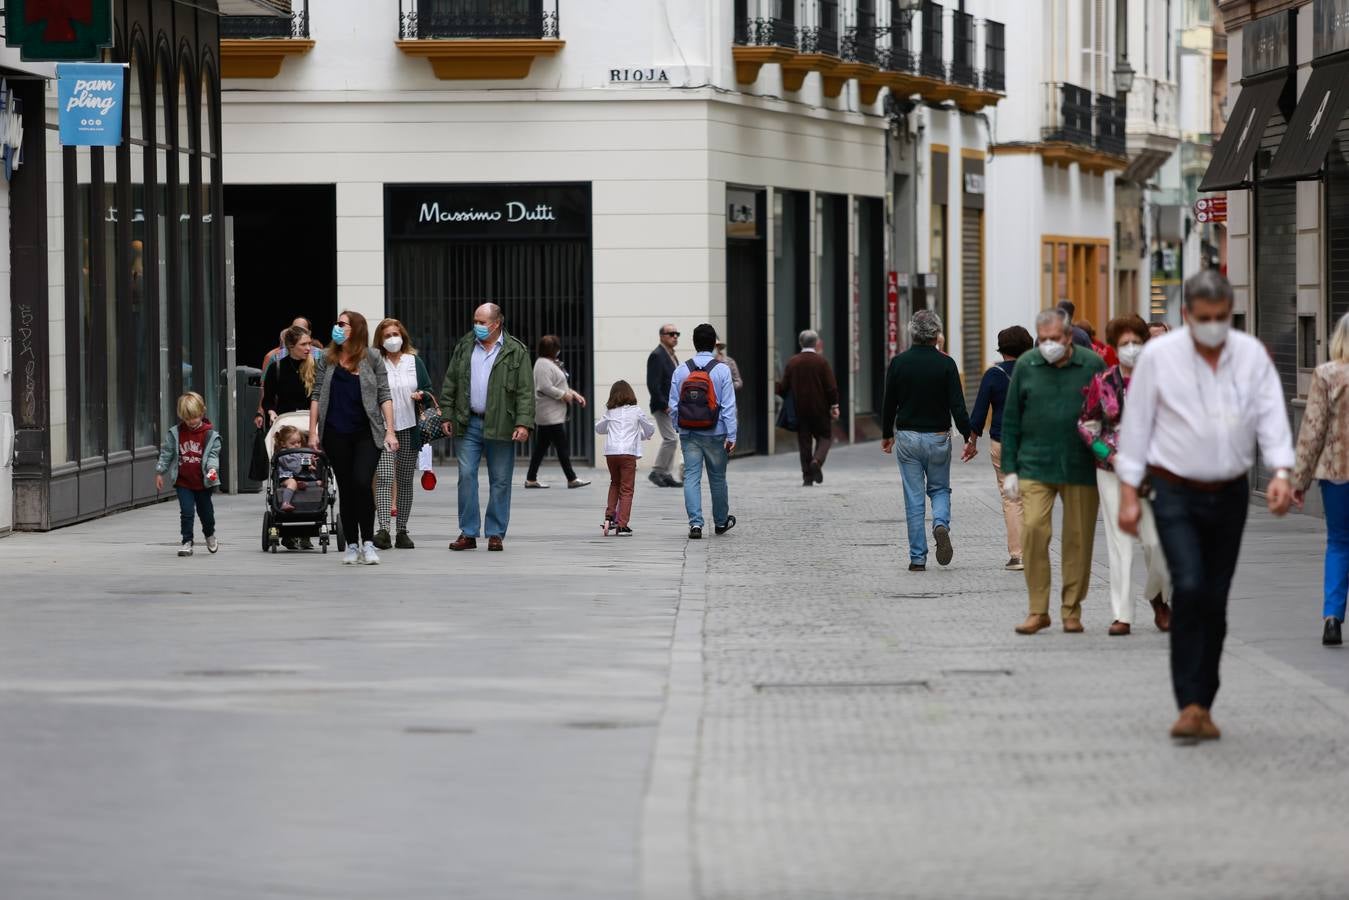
(374, 392)
(550, 386)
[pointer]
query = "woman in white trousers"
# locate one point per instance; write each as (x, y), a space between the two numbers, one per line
(1098, 426)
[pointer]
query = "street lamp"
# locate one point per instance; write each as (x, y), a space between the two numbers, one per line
(1124, 77)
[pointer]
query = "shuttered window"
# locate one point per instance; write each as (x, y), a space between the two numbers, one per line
(972, 300)
(1276, 269)
(1337, 225)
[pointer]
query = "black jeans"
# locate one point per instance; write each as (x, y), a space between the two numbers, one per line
(354, 458)
(555, 436)
(1201, 536)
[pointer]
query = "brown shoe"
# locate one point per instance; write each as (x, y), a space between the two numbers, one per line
(1161, 614)
(494, 543)
(1034, 622)
(1118, 628)
(464, 543)
(1073, 626)
(1190, 725)
(1208, 731)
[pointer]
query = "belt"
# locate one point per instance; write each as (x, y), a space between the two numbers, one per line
(1207, 487)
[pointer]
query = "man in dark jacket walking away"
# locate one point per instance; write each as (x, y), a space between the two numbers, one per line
(660, 367)
(922, 396)
(809, 380)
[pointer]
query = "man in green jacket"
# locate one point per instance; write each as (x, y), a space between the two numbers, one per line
(488, 398)
(1043, 458)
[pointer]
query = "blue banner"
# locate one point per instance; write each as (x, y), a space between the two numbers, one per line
(91, 97)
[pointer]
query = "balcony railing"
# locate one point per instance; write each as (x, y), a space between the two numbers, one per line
(498, 19)
(995, 57)
(931, 63)
(820, 34)
(1068, 114)
(1152, 107)
(282, 27)
(860, 44)
(1110, 125)
(962, 49)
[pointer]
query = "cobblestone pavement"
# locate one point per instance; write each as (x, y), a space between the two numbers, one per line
(868, 732)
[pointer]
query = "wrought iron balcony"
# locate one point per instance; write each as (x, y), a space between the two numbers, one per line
(931, 62)
(1068, 114)
(484, 19)
(995, 57)
(962, 50)
(278, 27)
(860, 45)
(820, 32)
(1110, 125)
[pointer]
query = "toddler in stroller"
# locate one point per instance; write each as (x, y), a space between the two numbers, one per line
(300, 495)
(295, 471)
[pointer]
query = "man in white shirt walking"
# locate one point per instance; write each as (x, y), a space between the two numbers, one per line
(1200, 401)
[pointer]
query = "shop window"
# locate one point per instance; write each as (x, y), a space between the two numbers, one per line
(1306, 342)
(1081, 273)
(110, 214)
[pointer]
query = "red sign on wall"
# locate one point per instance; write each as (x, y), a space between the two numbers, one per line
(1210, 209)
(892, 313)
(58, 30)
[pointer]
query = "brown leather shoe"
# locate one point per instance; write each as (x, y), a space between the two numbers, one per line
(494, 543)
(1208, 731)
(1034, 622)
(1190, 725)
(464, 543)
(1073, 626)
(1118, 628)
(1161, 614)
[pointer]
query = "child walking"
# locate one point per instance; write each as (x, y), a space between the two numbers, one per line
(626, 426)
(190, 457)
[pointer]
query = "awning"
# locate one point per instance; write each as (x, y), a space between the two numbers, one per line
(1234, 151)
(1318, 116)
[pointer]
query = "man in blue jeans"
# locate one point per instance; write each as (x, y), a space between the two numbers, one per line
(706, 448)
(922, 397)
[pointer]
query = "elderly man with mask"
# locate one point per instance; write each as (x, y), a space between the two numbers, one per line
(1043, 459)
(488, 398)
(922, 397)
(1201, 400)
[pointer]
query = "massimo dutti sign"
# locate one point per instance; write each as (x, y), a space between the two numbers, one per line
(439, 211)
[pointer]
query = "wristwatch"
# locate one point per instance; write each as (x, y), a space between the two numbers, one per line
(1284, 474)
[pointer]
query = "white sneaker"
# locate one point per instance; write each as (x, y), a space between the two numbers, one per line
(351, 557)
(212, 544)
(368, 554)
(186, 549)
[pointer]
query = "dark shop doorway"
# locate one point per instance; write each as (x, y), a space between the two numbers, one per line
(285, 262)
(747, 313)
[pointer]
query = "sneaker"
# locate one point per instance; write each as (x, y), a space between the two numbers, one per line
(404, 541)
(695, 533)
(917, 567)
(288, 507)
(306, 544)
(212, 544)
(944, 549)
(722, 529)
(1015, 564)
(381, 541)
(577, 483)
(623, 531)
(536, 484)
(1330, 637)
(186, 549)
(368, 555)
(352, 556)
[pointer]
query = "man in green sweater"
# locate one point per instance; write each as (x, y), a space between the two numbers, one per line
(1043, 458)
(922, 397)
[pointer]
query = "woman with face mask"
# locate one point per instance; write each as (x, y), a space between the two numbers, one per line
(410, 390)
(1098, 426)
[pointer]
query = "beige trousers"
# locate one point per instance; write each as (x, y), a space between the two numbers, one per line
(1080, 503)
(1121, 548)
(1011, 509)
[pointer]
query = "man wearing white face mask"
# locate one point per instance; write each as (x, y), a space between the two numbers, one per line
(1042, 458)
(1201, 399)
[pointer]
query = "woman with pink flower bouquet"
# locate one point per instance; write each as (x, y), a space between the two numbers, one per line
(1098, 427)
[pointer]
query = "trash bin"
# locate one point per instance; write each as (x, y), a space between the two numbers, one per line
(248, 381)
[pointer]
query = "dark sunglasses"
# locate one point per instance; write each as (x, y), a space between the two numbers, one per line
(669, 334)
(344, 324)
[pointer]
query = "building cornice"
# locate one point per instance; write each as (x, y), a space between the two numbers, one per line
(1238, 12)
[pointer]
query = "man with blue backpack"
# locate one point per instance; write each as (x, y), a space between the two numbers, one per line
(702, 405)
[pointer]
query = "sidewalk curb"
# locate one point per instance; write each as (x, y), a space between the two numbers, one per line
(667, 869)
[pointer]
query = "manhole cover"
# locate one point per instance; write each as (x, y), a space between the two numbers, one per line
(845, 686)
(238, 673)
(430, 729)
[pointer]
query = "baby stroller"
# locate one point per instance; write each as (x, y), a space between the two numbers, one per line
(312, 508)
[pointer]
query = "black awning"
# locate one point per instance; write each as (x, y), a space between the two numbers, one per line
(1313, 127)
(1234, 151)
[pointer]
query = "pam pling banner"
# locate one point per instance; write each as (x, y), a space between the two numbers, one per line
(91, 97)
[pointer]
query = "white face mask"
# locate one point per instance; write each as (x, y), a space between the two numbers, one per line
(393, 344)
(1211, 334)
(1128, 355)
(1052, 351)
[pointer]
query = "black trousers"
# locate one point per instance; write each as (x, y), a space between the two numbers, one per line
(813, 440)
(354, 458)
(554, 436)
(1201, 536)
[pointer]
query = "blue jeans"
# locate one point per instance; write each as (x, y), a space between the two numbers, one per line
(500, 467)
(196, 503)
(925, 468)
(705, 451)
(1335, 498)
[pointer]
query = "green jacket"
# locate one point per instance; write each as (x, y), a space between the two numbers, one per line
(1039, 422)
(510, 390)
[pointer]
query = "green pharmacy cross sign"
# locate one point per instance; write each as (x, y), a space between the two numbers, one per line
(58, 30)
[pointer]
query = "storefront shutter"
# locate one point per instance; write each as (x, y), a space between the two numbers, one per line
(972, 360)
(1337, 225)
(1276, 270)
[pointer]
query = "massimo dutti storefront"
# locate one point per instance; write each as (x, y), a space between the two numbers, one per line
(118, 268)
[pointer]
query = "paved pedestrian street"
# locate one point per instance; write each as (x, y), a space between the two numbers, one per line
(782, 712)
